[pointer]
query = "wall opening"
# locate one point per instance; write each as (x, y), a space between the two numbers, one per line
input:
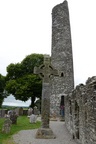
(62, 106)
(85, 116)
(77, 120)
(95, 87)
(70, 107)
(62, 74)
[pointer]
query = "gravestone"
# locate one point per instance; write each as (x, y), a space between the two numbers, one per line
(33, 118)
(45, 71)
(61, 56)
(36, 111)
(7, 125)
(30, 111)
(25, 112)
(2, 113)
(13, 117)
(19, 111)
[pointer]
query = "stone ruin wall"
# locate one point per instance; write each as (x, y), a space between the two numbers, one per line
(80, 112)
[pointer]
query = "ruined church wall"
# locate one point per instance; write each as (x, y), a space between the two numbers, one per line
(80, 113)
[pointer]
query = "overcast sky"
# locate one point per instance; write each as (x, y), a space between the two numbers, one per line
(25, 28)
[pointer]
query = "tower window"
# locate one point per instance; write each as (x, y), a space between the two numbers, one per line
(62, 74)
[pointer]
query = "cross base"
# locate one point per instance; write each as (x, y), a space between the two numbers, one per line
(45, 133)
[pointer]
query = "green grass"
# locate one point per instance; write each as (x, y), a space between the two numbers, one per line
(22, 124)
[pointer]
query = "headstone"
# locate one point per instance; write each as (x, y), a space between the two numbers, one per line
(6, 126)
(2, 113)
(17, 111)
(33, 118)
(25, 112)
(13, 117)
(30, 111)
(45, 71)
(36, 111)
(61, 56)
(20, 111)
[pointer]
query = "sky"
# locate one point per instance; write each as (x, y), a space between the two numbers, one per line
(11, 101)
(26, 28)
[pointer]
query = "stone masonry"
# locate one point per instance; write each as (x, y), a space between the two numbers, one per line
(61, 56)
(80, 103)
(80, 112)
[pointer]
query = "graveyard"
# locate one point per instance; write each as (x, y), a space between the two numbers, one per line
(68, 113)
(22, 124)
(18, 120)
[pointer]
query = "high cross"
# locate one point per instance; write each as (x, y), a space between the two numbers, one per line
(45, 71)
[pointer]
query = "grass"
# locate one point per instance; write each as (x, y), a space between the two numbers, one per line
(22, 124)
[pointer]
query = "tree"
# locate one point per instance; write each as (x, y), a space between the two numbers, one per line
(21, 82)
(2, 89)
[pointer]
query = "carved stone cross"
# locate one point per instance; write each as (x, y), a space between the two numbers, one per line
(45, 72)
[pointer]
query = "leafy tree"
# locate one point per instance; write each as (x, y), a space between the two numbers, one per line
(21, 82)
(2, 89)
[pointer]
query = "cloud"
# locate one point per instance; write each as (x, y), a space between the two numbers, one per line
(11, 101)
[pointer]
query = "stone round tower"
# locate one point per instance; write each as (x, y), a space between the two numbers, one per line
(61, 56)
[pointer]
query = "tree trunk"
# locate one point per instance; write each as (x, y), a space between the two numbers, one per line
(32, 102)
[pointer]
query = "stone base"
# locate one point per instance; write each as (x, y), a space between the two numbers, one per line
(62, 119)
(45, 133)
(53, 119)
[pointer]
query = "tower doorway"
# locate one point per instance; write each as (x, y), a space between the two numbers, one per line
(62, 106)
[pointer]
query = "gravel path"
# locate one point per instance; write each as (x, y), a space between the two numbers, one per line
(59, 129)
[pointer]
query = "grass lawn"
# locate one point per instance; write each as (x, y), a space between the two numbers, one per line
(22, 124)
